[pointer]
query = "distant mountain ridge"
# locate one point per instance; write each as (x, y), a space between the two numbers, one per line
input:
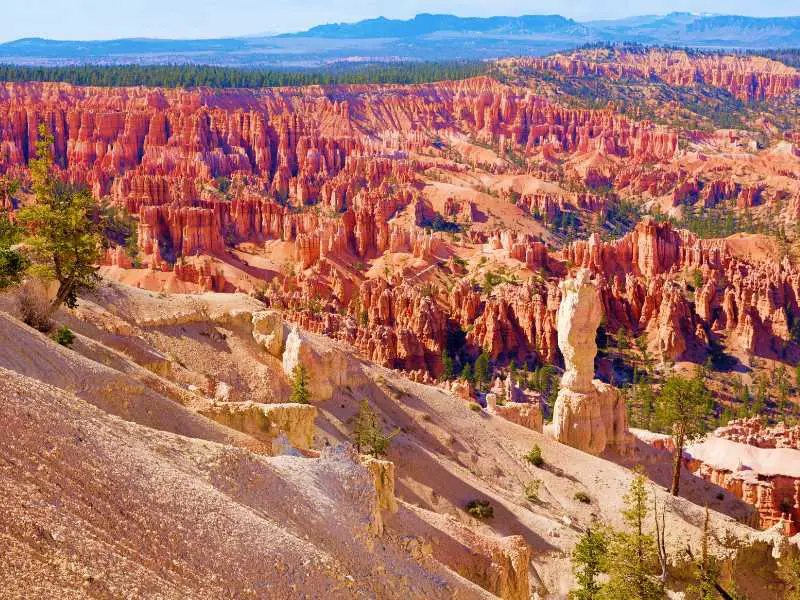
(426, 24)
(424, 37)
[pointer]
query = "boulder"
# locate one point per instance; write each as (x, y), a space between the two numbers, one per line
(270, 331)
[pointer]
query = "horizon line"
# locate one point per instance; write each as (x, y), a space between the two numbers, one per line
(340, 23)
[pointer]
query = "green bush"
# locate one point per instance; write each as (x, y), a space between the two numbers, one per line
(532, 490)
(535, 456)
(583, 497)
(64, 336)
(480, 509)
(474, 406)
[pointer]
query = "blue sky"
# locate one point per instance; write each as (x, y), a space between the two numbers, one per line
(106, 19)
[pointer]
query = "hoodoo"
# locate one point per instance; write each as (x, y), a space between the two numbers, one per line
(589, 414)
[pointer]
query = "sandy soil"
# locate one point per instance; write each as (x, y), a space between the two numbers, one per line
(197, 508)
(103, 508)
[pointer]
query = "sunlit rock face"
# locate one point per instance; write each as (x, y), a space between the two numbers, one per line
(588, 415)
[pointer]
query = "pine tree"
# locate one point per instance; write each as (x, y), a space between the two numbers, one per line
(706, 566)
(62, 228)
(789, 574)
(368, 436)
(588, 563)
(633, 562)
(621, 340)
(644, 402)
(447, 366)
(482, 374)
(680, 410)
(365, 425)
(645, 358)
(466, 374)
(300, 393)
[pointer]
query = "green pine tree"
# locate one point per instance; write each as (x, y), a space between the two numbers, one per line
(633, 563)
(789, 574)
(368, 437)
(680, 411)
(482, 372)
(466, 374)
(12, 262)
(447, 366)
(512, 370)
(706, 568)
(63, 229)
(588, 563)
(300, 393)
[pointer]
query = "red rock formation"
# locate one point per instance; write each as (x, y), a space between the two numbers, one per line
(517, 322)
(753, 432)
(646, 290)
(749, 78)
(775, 498)
(337, 173)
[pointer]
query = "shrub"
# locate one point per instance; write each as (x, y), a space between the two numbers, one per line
(535, 456)
(12, 267)
(480, 509)
(64, 336)
(33, 305)
(532, 490)
(583, 497)
(474, 406)
(367, 433)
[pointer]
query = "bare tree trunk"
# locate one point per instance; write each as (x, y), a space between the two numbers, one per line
(676, 470)
(660, 518)
(64, 289)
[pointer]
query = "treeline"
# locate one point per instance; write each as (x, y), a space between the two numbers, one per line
(190, 76)
(788, 56)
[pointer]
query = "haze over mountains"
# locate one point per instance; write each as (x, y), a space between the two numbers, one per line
(425, 37)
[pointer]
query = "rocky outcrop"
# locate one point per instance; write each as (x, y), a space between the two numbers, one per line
(383, 477)
(336, 176)
(644, 288)
(507, 400)
(266, 421)
(328, 368)
(526, 414)
(588, 414)
(775, 498)
(759, 465)
(579, 316)
(270, 332)
(497, 564)
(749, 78)
(754, 432)
(517, 322)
